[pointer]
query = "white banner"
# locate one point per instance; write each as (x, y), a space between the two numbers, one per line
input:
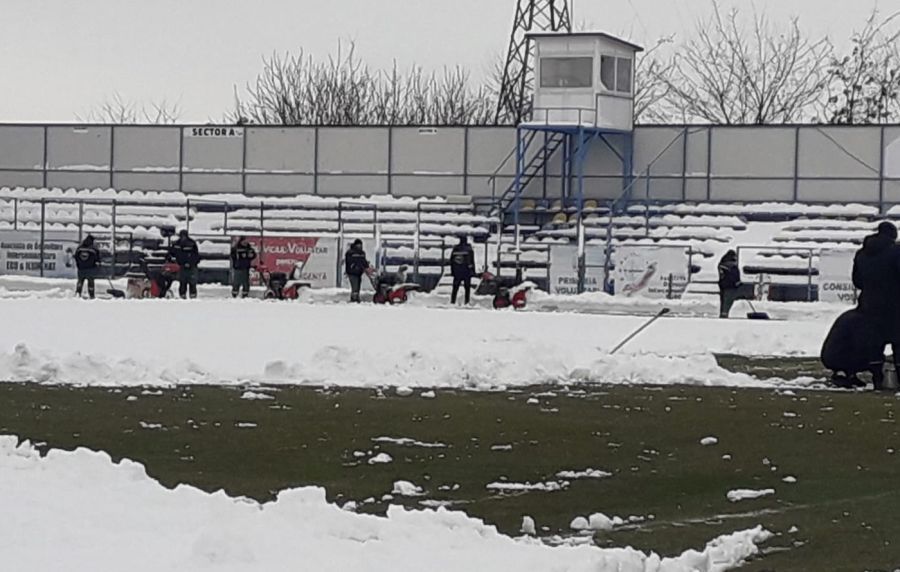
(836, 276)
(651, 271)
(564, 269)
(20, 253)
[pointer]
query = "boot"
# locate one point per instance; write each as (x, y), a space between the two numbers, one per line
(841, 380)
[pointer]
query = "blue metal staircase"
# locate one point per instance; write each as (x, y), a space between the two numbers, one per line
(534, 167)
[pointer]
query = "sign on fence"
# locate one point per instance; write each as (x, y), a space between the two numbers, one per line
(564, 270)
(20, 253)
(211, 131)
(836, 276)
(314, 257)
(651, 271)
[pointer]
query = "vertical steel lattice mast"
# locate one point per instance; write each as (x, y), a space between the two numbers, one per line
(514, 104)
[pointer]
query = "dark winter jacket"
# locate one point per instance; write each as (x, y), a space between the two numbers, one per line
(729, 273)
(242, 256)
(87, 257)
(355, 262)
(853, 344)
(876, 273)
(462, 261)
(185, 252)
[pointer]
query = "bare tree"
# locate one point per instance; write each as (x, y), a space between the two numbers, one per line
(651, 85)
(297, 90)
(864, 85)
(118, 110)
(734, 73)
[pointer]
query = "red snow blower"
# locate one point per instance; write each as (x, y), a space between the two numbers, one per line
(391, 287)
(278, 285)
(507, 292)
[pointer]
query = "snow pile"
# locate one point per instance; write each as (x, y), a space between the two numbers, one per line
(585, 474)
(738, 495)
(596, 522)
(381, 459)
(256, 396)
(548, 487)
(77, 501)
(407, 442)
(236, 342)
(528, 526)
(709, 441)
(407, 489)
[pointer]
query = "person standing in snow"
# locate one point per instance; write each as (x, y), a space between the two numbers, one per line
(729, 283)
(462, 267)
(186, 254)
(355, 265)
(242, 257)
(876, 273)
(87, 260)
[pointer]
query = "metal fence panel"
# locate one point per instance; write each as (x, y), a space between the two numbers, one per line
(852, 152)
(428, 151)
(753, 152)
(146, 149)
(79, 148)
(281, 150)
(353, 151)
(21, 148)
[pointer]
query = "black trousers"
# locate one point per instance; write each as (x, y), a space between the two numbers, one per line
(466, 283)
(355, 285)
(240, 280)
(85, 276)
(727, 298)
(187, 280)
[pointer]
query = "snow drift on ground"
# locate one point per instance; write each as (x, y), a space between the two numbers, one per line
(80, 511)
(251, 341)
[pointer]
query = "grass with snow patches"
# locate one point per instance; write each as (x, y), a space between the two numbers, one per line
(829, 456)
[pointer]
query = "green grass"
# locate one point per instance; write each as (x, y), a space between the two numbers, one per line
(838, 445)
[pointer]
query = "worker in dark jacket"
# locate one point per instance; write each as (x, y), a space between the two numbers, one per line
(242, 257)
(87, 260)
(729, 283)
(355, 265)
(462, 267)
(876, 273)
(853, 346)
(186, 254)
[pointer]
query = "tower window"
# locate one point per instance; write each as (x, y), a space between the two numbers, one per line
(567, 72)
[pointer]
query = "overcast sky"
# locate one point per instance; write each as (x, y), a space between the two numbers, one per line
(59, 58)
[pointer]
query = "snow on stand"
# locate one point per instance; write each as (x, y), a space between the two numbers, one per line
(76, 501)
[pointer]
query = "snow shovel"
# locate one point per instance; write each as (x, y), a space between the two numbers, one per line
(637, 332)
(754, 315)
(115, 292)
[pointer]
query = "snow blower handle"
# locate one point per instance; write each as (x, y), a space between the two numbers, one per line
(660, 314)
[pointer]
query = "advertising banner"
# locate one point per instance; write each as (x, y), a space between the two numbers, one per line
(564, 269)
(651, 271)
(20, 253)
(836, 276)
(314, 258)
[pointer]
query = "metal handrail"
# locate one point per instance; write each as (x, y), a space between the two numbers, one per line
(492, 180)
(581, 112)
